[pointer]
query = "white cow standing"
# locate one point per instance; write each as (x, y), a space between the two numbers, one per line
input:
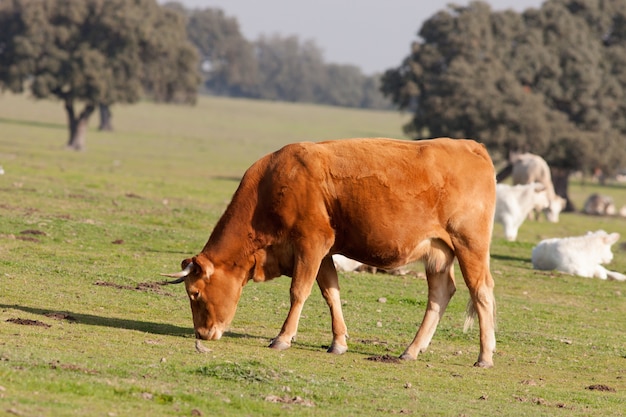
(514, 204)
(579, 255)
(529, 168)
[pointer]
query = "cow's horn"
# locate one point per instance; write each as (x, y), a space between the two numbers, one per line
(180, 276)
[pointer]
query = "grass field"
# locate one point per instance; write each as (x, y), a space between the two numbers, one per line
(84, 331)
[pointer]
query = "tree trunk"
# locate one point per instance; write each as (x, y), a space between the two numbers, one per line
(560, 179)
(105, 118)
(504, 173)
(78, 125)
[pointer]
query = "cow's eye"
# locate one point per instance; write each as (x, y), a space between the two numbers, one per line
(194, 295)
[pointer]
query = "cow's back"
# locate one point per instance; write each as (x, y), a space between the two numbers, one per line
(381, 196)
(529, 168)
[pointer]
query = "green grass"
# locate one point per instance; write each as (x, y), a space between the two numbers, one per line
(144, 197)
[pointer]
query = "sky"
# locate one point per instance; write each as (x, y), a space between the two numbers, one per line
(374, 35)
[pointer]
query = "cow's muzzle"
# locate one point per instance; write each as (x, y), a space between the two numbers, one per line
(212, 334)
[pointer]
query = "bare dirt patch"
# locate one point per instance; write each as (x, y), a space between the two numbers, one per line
(26, 210)
(28, 239)
(28, 322)
(153, 287)
(71, 367)
(29, 235)
(384, 359)
(289, 400)
(60, 316)
(600, 387)
(373, 342)
(33, 232)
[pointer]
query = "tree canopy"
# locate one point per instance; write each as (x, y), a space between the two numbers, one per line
(550, 80)
(273, 67)
(95, 52)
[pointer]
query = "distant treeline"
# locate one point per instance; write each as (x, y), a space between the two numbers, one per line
(273, 67)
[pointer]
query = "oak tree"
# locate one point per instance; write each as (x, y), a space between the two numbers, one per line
(550, 80)
(94, 52)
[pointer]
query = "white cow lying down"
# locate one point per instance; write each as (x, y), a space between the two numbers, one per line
(580, 255)
(514, 203)
(600, 205)
(344, 264)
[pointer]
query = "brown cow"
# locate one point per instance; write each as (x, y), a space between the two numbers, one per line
(382, 202)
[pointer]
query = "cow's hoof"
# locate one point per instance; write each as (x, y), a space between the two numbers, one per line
(337, 349)
(278, 345)
(483, 364)
(200, 348)
(407, 357)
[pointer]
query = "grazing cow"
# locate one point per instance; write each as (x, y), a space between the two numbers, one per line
(599, 205)
(529, 168)
(382, 202)
(514, 203)
(580, 255)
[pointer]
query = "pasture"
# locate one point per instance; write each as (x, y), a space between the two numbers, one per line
(85, 331)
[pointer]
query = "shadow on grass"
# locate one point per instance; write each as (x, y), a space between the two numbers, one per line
(510, 258)
(142, 326)
(226, 178)
(33, 123)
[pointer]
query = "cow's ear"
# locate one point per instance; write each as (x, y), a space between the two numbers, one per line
(612, 238)
(205, 265)
(185, 263)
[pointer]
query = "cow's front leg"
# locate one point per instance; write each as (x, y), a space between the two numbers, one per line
(328, 282)
(301, 285)
(441, 288)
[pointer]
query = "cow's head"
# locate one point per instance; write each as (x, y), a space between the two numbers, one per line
(554, 208)
(213, 295)
(606, 240)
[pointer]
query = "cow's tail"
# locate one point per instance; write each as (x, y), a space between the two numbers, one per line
(616, 276)
(470, 314)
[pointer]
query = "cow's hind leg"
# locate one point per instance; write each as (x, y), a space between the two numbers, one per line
(474, 266)
(441, 288)
(328, 282)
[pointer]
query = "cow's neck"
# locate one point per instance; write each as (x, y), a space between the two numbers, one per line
(234, 239)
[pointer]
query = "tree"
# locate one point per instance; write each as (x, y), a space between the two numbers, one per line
(93, 52)
(347, 86)
(289, 70)
(272, 68)
(170, 61)
(550, 81)
(228, 59)
(292, 70)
